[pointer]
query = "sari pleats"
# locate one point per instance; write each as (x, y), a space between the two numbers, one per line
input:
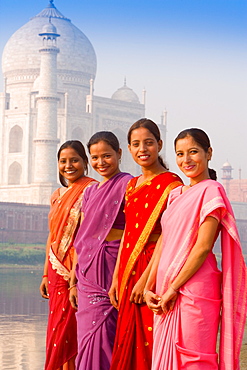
(64, 216)
(143, 209)
(61, 340)
(186, 337)
(135, 325)
(96, 317)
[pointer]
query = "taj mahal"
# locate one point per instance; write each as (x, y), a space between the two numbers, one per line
(49, 68)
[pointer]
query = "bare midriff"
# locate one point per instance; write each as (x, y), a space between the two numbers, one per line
(114, 234)
(153, 237)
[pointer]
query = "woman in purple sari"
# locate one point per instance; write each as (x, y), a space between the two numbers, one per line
(97, 245)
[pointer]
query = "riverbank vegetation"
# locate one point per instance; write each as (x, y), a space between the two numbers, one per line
(22, 254)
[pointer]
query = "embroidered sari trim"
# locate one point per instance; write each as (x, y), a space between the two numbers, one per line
(57, 265)
(63, 221)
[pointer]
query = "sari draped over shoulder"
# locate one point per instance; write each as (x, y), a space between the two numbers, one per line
(185, 338)
(61, 343)
(143, 209)
(96, 317)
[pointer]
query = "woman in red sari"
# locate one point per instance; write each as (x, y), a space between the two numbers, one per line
(64, 217)
(146, 198)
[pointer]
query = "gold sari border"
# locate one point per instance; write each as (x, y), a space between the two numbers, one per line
(144, 236)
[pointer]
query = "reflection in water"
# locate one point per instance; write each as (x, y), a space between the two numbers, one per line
(23, 319)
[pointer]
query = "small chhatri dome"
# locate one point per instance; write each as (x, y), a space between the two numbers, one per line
(124, 93)
(227, 171)
(226, 165)
(49, 28)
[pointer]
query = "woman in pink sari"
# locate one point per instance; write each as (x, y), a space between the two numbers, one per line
(190, 296)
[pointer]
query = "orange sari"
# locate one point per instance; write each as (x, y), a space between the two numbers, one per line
(64, 216)
(144, 207)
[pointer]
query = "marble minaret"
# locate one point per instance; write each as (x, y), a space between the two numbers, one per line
(45, 138)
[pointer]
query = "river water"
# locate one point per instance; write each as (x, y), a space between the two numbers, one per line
(23, 319)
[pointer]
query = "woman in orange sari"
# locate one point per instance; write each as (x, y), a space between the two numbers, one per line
(146, 198)
(64, 217)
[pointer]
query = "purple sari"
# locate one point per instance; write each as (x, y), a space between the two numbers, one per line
(96, 317)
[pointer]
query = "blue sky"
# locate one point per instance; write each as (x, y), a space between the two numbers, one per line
(190, 55)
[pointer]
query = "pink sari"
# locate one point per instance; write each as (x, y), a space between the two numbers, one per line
(186, 337)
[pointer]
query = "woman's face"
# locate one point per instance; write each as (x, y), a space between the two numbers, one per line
(70, 165)
(144, 147)
(104, 159)
(192, 160)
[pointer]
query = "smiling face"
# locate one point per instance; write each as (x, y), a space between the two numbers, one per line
(144, 147)
(104, 159)
(192, 159)
(70, 165)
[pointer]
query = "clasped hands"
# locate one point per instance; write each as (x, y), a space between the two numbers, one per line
(136, 294)
(161, 304)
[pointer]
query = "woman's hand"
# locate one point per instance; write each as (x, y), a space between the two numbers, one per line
(168, 300)
(44, 288)
(113, 293)
(73, 297)
(137, 292)
(153, 302)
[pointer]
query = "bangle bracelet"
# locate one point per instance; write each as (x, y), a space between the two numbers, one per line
(72, 286)
(45, 276)
(145, 292)
(175, 290)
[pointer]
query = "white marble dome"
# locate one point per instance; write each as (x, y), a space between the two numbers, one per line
(126, 94)
(21, 53)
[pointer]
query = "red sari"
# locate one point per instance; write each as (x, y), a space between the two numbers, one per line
(64, 216)
(143, 209)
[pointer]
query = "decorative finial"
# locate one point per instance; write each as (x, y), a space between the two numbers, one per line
(50, 4)
(144, 96)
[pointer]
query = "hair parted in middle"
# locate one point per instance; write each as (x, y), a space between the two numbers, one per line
(202, 139)
(80, 150)
(106, 136)
(150, 126)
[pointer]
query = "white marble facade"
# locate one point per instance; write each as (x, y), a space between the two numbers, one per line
(49, 67)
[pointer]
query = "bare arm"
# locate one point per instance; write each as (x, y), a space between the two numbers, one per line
(72, 283)
(44, 283)
(197, 256)
(113, 292)
(82, 217)
(151, 298)
(73, 298)
(138, 290)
